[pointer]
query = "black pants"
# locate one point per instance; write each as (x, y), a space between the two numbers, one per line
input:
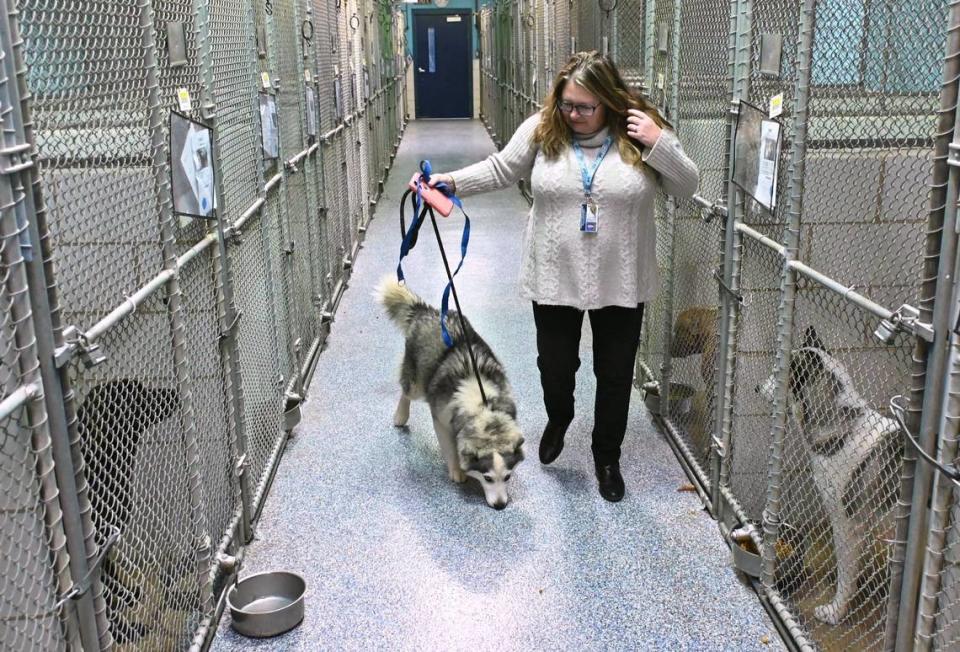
(616, 335)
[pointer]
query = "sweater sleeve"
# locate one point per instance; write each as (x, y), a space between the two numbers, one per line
(503, 168)
(679, 174)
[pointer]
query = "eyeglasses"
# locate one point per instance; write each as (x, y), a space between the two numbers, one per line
(586, 110)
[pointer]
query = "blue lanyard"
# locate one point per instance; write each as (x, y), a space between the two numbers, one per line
(587, 175)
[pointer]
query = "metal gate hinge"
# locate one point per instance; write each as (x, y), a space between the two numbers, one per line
(64, 354)
(9, 154)
(209, 111)
(923, 330)
(718, 447)
(83, 585)
(241, 466)
(228, 331)
(953, 154)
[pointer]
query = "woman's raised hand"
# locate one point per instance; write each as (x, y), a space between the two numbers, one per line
(642, 128)
(439, 177)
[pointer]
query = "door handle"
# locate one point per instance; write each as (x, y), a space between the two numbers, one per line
(419, 69)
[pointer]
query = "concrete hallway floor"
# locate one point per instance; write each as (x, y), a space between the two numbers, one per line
(397, 557)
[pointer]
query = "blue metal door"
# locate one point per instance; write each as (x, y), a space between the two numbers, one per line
(443, 74)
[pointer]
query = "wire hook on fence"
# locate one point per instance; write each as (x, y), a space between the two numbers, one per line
(83, 585)
(951, 472)
(607, 5)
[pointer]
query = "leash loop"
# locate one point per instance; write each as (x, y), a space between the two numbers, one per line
(409, 240)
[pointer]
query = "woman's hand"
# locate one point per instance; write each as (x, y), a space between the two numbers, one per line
(438, 177)
(642, 128)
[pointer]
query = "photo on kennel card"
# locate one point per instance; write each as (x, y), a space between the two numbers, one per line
(192, 174)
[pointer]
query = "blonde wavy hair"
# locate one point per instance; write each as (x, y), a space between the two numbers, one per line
(598, 75)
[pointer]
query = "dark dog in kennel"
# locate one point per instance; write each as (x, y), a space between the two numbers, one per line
(111, 423)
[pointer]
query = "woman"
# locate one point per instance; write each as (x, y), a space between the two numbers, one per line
(595, 156)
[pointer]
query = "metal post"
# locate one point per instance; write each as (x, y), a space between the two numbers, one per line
(771, 513)
(731, 243)
(670, 231)
(74, 501)
(614, 23)
(649, 41)
(928, 370)
(940, 521)
(202, 544)
(12, 229)
(227, 312)
(286, 326)
(304, 60)
(308, 169)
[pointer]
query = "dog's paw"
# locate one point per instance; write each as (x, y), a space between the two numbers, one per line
(458, 476)
(830, 614)
(402, 415)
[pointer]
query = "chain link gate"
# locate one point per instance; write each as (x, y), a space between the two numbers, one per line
(144, 350)
(34, 572)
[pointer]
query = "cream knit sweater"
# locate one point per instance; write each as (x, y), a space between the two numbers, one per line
(617, 266)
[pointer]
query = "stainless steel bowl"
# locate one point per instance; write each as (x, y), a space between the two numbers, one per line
(267, 604)
(681, 397)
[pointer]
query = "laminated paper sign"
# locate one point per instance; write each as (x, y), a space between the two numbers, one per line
(193, 180)
(766, 189)
(311, 112)
(269, 126)
(757, 155)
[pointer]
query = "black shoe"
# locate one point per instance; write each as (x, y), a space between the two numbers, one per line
(551, 442)
(610, 481)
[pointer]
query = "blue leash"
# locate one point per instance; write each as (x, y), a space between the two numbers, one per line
(421, 208)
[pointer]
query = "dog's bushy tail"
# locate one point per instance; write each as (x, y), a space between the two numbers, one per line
(398, 301)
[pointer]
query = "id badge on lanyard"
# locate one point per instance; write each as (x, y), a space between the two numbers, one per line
(589, 211)
(589, 216)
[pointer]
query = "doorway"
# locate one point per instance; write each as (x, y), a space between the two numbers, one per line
(443, 66)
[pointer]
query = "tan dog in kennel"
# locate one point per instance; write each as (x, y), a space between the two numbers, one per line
(695, 333)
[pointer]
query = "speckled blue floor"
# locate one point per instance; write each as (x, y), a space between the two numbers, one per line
(397, 557)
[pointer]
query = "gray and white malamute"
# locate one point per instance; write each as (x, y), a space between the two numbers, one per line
(854, 456)
(476, 440)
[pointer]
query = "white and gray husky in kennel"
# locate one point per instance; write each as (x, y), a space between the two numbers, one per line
(853, 453)
(476, 440)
